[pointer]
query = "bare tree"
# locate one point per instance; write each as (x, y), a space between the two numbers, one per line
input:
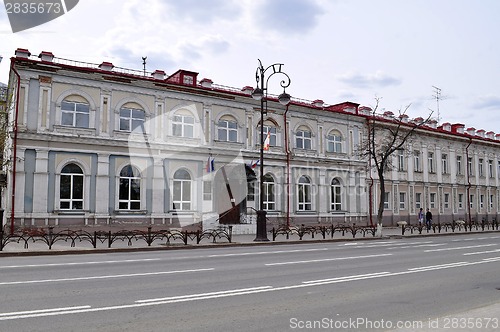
(386, 135)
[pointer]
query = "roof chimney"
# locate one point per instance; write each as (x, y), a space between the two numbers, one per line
(471, 131)
(247, 90)
(22, 53)
(46, 56)
(206, 83)
(107, 66)
(158, 74)
(318, 103)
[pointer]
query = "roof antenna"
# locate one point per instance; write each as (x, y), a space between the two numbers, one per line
(144, 64)
(438, 97)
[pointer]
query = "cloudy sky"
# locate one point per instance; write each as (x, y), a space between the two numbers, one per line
(334, 50)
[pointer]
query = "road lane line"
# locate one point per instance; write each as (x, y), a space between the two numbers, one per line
(102, 277)
(460, 248)
(326, 260)
(267, 252)
(17, 313)
(346, 278)
(80, 263)
(441, 266)
(203, 295)
(481, 252)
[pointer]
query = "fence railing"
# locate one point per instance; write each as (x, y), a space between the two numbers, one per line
(458, 225)
(322, 230)
(50, 236)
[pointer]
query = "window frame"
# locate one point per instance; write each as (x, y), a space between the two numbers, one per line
(130, 119)
(71, 200)
(74, 114)
(304, 194)
(224, 129)
(180, 185)
(336, 190)
(134, 180)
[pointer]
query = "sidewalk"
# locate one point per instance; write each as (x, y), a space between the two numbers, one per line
(64, 247)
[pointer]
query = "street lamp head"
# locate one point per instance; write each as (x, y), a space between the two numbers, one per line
(284, 98)
(257, 94)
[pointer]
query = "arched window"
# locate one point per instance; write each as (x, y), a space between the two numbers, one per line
(304, 194)
(334, 142)
(130, 189)
(183, 124)
(71, 188)
(132, 119)
(182, 190)
(227, 129)
(75, 112)
(336, 195)
(269, 193)
(303, 138)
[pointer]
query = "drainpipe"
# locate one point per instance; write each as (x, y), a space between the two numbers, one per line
(468, 180)
(287, 151)
(14, 147)
(370, 191)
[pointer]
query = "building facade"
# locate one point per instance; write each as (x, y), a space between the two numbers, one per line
(99, 145)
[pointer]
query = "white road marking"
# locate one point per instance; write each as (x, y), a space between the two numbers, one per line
(267, 252)
(17, 313)
(101, 277)
(349, 278)
(204, 295)
(81, 263)
(460, 248)
(437, 267)
(326, 260)
(481, 252)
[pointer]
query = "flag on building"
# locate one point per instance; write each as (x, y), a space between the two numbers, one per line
(267, 142)
(210, 164)
(254, 164)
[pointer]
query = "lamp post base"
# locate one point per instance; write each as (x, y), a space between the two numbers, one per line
(261, 235)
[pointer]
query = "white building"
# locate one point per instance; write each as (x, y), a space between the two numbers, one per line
(96, 144)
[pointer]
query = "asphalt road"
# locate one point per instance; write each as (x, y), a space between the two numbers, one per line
(405, 284)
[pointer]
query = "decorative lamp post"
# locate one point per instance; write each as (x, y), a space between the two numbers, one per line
(260, 93)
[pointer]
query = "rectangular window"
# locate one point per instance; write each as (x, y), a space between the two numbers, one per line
(207, 190)
(492, 198)
(490, 168)
(446, 201)
(402, 201)
(481, 168)
(471, 201)
(430, 158)
(418, 200)
(460, 201)
(401, 160)
(444, 163)
(481, 201)
(433, 200)
(459, 165)
(469, 166)
(303, 140)
(416, 159)
(386, 201)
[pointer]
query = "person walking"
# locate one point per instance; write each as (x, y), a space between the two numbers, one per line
(421, 217)
(428, 219)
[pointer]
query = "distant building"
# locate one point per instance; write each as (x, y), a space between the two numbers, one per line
(97, 144)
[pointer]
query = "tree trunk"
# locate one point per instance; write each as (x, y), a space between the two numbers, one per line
(380, 210)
